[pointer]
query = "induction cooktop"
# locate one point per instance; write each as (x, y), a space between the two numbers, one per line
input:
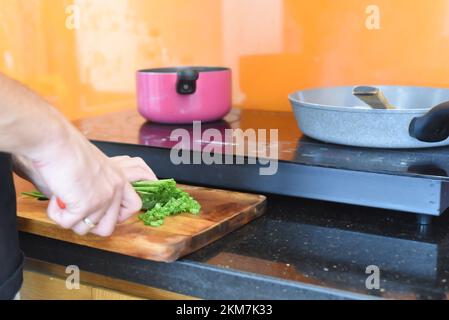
(411, 180)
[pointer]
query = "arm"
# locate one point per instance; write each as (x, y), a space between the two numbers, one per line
(69, 167)
(27, 121)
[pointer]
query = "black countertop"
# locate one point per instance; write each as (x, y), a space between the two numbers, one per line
(300, 249)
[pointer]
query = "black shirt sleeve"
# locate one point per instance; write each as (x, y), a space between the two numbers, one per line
(11, 257)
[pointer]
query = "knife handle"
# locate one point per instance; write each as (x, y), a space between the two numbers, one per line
(61, 204)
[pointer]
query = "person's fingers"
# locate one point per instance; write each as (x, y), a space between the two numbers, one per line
(54, 212)
(65, 217)
(73, 214)
(130, 204)
(108, 222)
(137, 173)
(135, 169)
(119, 159)
(115, 202)
(82, 228)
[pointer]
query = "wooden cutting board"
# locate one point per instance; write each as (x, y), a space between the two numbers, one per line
(222, 212)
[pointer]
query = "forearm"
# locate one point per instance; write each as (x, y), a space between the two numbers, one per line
(28, 124)
(65, 165)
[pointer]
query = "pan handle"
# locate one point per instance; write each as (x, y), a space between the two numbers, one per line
(433, 126)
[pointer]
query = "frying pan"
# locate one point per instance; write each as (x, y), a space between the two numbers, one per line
(416, 117)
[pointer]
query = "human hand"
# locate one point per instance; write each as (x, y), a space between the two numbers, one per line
(94, 188)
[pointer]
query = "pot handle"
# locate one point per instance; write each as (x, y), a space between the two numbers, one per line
(433, 126)
(186, 83)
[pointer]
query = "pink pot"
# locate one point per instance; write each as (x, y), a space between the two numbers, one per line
(185, 94)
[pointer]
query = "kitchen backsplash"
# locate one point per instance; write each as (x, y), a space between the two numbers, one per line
(83, 54)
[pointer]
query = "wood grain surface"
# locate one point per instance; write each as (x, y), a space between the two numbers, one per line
(222, 212)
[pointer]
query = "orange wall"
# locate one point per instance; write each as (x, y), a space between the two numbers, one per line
(273, 46)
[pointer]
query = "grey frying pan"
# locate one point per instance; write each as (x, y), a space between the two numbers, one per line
(392, 117)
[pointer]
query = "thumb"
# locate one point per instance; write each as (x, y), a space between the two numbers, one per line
(54, 211)
(59, 213)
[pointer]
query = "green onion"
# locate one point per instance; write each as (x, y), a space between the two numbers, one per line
(160, 199)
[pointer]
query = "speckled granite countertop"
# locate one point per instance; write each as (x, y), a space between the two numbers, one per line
(300, 249)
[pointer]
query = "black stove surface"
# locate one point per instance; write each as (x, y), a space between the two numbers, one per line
(432, 162)
(407, 180)
(427, 162)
